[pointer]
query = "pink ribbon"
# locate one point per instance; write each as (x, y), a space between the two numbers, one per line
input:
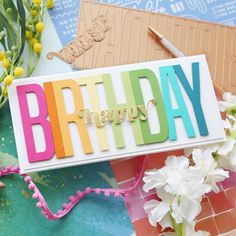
(73, 199)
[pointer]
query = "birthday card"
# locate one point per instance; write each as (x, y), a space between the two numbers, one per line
(104, 114)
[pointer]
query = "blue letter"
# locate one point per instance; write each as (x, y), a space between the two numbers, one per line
(167, 75)
(194, 95)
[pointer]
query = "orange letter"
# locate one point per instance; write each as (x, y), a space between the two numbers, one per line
(60, 119)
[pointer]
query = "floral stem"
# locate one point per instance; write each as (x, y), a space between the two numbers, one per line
(31, 70)
(176, 227)
(2, 103)
(183, 229)
(179, 229)
(29, 59)
(2, 77)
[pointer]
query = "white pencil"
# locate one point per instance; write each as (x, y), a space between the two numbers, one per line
(167, 44)
(177, 53)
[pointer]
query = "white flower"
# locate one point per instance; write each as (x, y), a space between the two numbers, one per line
(229, 161)
(172, 172)
(227, 151)
(206, 167)
(158, 212)
(186, 205)
(179, 187)
(213, 148)
(165, 196)
(190, 231)
(229, 103)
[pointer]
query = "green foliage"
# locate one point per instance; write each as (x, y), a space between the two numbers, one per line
(23, 28)
(11, 35)
(18, 19)
(8, 4)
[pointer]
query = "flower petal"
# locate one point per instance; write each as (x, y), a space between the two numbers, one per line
(233, 157)
(156, 211)
(190, 208)
(190, 231)
(176, 212)
(150, 205)
(165, 196)
(180, 162)
(223, 106)
(229, 97)
(150, 185)
(197, 156)
(159, 212)
(166, 222)
(227, 147)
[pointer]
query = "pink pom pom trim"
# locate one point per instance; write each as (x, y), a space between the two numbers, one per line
(73, 199)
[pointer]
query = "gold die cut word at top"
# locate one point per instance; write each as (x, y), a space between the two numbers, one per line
(84, 41)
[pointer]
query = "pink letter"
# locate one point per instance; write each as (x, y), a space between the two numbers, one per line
(41, 119)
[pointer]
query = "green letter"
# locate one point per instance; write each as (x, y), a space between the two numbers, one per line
(112, 104)
(147, 135)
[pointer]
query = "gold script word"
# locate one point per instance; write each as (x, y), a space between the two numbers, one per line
(115, 116)
(84, 41)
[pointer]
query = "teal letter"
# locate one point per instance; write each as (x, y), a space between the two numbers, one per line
(167, 75)
(194, 95)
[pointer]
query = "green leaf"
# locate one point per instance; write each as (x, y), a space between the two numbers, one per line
(11, 35)
(21, 11)
(2, 40)
(9, 4)
(27, 4)
(1, 26)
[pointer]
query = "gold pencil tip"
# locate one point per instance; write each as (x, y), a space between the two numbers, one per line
(157, 34)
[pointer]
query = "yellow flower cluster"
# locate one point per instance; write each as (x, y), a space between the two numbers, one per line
(33, 38)
(6, 63)
(37, 2)
(34, 28)
(17, 72)
(38, 47)
(50, 4)
(8, 80)
(1, 56)
(39, 27)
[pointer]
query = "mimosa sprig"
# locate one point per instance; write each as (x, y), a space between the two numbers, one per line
(21, 22)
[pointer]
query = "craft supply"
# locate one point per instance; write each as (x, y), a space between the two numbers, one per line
(166, 43)
(127, 41)
(83, 42)
(177, 53)
(73, 199)
(127, 111)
